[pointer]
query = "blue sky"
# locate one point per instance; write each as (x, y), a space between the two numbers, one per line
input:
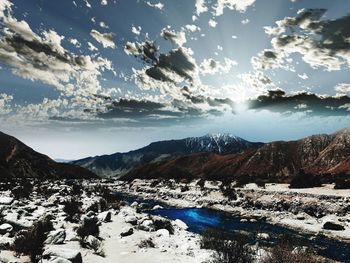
(88, 77)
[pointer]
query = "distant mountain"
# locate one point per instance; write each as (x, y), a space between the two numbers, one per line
(272, 162)
(17, 160)
(121, 163)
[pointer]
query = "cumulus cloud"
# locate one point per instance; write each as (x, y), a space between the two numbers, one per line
(312, 37)
(105, 39)
(212, 23)
(178, 38)
(41, 57)
(211, 66)
(239, 5)
(200, 7)
(342, 88)
(5, 99)
(136, 30)
(158, 5)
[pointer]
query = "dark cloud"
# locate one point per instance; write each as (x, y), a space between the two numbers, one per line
(311, 104)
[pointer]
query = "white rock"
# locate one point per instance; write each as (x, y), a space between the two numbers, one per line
(134, 204)
(56, 260)
(263, 236)
(156, 207)
(73, 255)
(105, 216)
(56, 237)
(180, 224)
(162, 233)
(5, 241)
(5, 228)
(6, 200)
(91, 240)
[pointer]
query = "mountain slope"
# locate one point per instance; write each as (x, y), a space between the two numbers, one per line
(121, 163)
(273, 162)
(17, 160)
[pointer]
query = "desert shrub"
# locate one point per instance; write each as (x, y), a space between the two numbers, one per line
(146, 243)
(342, 181)
(77, 189)
(184, 188)
(163, 224)
(88, 227)
(228, 192)
(201, 183)
(305, 180)
(23, 190)
(154, 183)
(31, 242)
(73, 209)
(289, 250)
(228, 247)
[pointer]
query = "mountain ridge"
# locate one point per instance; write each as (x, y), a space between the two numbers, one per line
(279, 161)
(18, 160)
(121, 163)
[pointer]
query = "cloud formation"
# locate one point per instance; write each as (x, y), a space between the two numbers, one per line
(105, 39)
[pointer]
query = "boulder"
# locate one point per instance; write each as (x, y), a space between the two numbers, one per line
(91, 241)
(56, 237)
(131, 220)
(127, 232)
(6, 200)
(56, 260)
(70, 254)
(147, 225)
(162, 233)
(263, 236)
(5, 242)
(5, 228)
(333, 226)
(156, 207)
(105, 216)
(134, 204)
(180, 224)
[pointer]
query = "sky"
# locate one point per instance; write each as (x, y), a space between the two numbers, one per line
(90, 77)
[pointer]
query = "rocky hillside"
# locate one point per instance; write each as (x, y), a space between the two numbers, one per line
(17, 160)
(121, 163)
(273, 162)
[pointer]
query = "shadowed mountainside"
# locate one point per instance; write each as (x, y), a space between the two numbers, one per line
(273, 162)
(17, 160)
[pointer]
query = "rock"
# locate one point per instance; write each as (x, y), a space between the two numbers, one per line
(56, 237)
(131, 220)
(70, 254)
(180, 224)
(134, 204)
(127, 232)
(5, 242)
(56, 260)
(263, 236)
(147, 225)
(90, 214)
(105, 216)
(5, 228)
(333, 226)
(6, 200)
(156, 207)
(92, 241)
(162, 233)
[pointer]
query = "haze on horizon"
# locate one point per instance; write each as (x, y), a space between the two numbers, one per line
(88, 77)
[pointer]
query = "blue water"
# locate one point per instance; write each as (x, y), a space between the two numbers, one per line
(199, 220)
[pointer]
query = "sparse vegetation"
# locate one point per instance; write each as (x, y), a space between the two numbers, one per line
(289, 251)
(31, 242)
(73, 209)
(88, 227)
(228, 247)
(305, 180)
(146, 243)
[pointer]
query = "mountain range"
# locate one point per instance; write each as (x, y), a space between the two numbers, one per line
(278, 161)
(17, 160)
(119, 164)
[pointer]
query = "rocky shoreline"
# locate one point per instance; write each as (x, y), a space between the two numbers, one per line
(318, 211)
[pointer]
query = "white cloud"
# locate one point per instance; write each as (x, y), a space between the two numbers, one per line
(245, 21)
(303, 76)
(158, 5)
(104, 2)
(239, 5)
(200, 7)
(211, 66)
(92, 47)
(178, 38)
(75, 42)
(136, 30)
(105, 39)
(103, 25)
(342, 88)
(212, 23)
